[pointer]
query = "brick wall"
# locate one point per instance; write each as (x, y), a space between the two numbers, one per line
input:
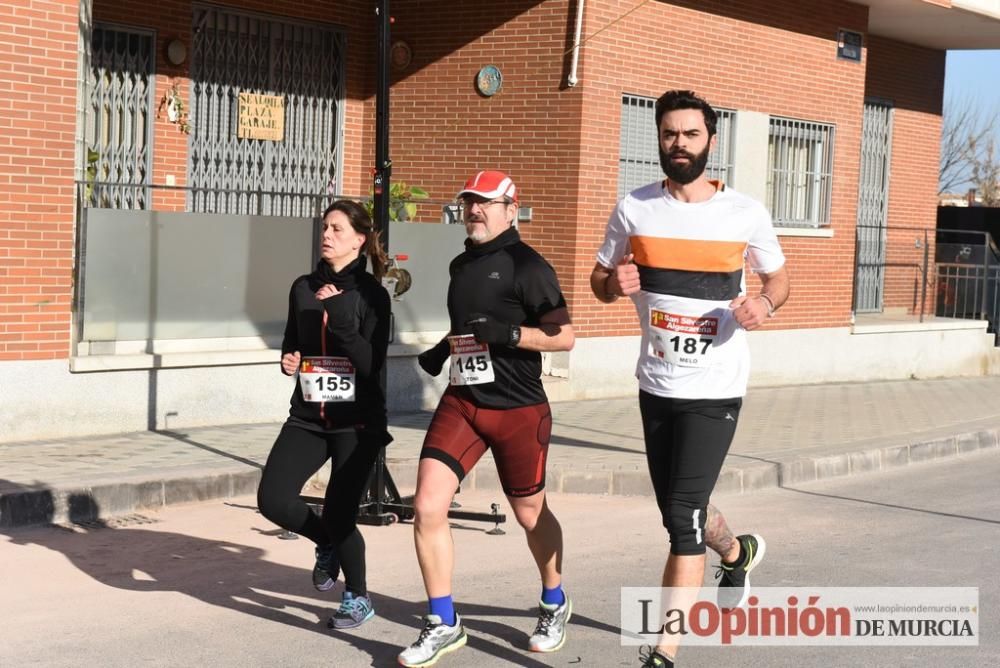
(547, 135)
(560, 144)
(172, 19)
(912, 79)
(444, 130)
(38, 72)
(771, 57)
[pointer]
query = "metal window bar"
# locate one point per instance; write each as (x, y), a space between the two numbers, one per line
(873, 201)
(639, 156)
(921, 267)
(720, 161)
(235, 52)
(310, 205)
(800, 172)
(118, 127)
(970, 290)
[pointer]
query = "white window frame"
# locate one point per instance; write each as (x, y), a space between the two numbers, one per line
(799, 172)
(639, 157)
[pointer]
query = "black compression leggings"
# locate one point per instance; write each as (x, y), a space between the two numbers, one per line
(686, 444)
(297, 454)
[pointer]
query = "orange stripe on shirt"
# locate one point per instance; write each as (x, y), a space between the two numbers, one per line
(688, 254)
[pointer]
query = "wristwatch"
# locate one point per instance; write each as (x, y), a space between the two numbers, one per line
(515, 336)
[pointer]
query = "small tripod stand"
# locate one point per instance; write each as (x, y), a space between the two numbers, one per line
(383, 505)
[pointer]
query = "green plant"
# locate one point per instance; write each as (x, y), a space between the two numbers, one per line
(173, 104)
(90, 173)
(401, 204)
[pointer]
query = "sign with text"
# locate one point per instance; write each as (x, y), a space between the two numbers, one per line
(802, 616)
(261, 117)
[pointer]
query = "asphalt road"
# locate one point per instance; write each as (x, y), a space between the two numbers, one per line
(210, 584)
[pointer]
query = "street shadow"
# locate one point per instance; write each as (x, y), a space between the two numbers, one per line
(184, 438)
(797, 490)
(591, 445)
(882, 504)
(238, 577)
(613, 434)
(23, 505)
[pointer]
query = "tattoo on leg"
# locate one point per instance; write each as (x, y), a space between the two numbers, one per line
(717, 533)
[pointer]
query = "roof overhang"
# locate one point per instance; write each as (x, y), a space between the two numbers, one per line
(938, 24)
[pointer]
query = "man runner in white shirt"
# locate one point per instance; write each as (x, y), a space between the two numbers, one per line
(678, 248)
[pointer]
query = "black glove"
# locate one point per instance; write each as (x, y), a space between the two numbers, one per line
(433, 360)
(488, 329)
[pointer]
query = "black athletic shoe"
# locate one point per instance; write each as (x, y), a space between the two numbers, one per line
(734, 579)
(327, 568)
(652, 659)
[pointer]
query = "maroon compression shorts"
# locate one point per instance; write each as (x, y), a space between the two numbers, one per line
(461, 432)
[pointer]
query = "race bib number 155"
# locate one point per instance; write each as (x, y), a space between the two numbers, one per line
(324, 379)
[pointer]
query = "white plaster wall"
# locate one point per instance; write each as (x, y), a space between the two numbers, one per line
(750, 135)
(44, 400)
(831, 355)
(40, 400)
(605, 367)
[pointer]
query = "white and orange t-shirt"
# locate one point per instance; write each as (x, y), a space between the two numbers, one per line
(691, 258)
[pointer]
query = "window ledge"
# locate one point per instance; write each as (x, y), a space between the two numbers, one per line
(822, 232)
(90, 363)
(891, 325)
(175, 354)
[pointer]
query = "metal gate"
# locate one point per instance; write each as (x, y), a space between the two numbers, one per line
(236, 52)
(119, 118)
(873, 207)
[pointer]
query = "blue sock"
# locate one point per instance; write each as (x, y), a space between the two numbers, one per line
(444, 608)
(554, 596)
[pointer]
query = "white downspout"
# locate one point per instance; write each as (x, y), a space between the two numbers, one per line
(571, 80)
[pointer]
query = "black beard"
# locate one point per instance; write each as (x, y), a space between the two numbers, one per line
(684, 173)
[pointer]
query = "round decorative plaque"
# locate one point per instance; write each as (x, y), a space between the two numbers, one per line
(489, 80)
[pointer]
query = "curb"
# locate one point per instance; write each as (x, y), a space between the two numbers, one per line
(37, 505)
(73, 505)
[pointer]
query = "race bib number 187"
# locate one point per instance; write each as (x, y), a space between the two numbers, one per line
(682, 340)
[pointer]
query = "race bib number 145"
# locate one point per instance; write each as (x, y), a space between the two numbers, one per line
(470, 361)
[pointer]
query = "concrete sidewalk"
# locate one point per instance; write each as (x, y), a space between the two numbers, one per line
(787, 436)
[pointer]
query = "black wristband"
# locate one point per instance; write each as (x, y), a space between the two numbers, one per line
(515, 336)
(611, 296)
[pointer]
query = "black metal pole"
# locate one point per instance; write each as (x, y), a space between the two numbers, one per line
(383, 504)
(380, 192)
(383, 165)
(923, 289)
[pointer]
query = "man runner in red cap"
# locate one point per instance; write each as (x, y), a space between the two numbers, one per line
(506, 308)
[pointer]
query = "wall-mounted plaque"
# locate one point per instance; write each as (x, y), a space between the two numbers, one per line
(489, 80)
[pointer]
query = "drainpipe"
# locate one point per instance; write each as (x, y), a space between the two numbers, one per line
(571, 80)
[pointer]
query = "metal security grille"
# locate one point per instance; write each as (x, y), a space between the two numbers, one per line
(236, 52)
(639, 157)
(800, 172)
(119, 128)
(873, 207)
